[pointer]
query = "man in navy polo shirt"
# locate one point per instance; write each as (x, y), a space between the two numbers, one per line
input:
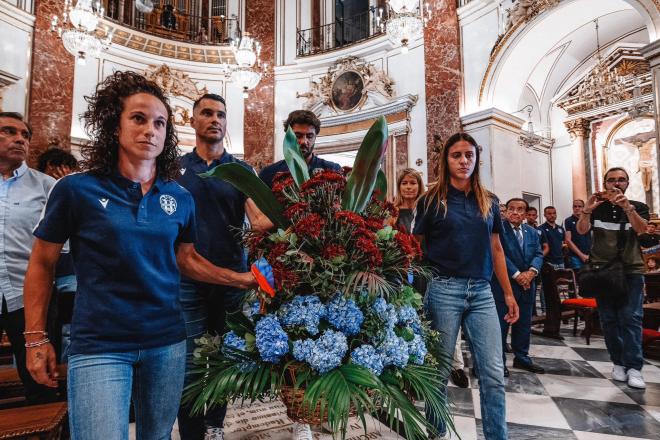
(578, 244)
(554, 236)
(306, 126)
(220, 213)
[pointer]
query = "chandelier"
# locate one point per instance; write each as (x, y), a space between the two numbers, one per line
(528, 138)
(406, 21)
(602, 86)
(79, 30)
(247, 71)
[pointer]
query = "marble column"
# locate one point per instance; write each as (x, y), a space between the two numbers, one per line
(442, 75)
(259, 119)
(652, 53)
(51, 89)
(579, 130)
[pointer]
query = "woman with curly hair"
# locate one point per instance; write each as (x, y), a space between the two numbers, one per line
(131, 229)
(459, 221)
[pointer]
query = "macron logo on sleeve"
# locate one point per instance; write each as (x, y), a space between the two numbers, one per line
(104, 203)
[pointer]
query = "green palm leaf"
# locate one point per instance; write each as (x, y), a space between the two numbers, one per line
(362, 180)
(252, 186)
(294, 159)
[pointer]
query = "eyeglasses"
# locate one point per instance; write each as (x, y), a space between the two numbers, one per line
(619, 180)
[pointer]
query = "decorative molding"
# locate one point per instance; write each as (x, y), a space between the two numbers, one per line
(365, 79)
(578, 128)
(401, 104)
(174, 82)
(6, 80)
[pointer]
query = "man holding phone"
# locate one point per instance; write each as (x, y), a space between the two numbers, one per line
(606, 214)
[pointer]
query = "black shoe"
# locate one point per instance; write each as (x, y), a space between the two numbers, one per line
(531, 367)
(507, 348)
(459, 378)
(506, 372)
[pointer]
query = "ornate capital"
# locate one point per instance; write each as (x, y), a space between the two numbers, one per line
(578, 128)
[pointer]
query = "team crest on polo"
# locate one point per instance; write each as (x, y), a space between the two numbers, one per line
(168, 204)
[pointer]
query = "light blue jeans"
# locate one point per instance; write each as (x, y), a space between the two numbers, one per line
(454, 302)
(101, 387)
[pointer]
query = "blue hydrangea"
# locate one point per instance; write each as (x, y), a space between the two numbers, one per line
(302, 349)
(272, 341)
(408, 315)
(232, 340)
(255, 307)
(305, 311)
(394, 350)
(367, 356)
(344, 315)
(386, 312)
(323, 354)
(417, 350)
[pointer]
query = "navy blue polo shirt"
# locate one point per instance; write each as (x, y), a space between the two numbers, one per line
(220, 211)
(458, 243)
(268, 173)
(123, 248)
(555, 239)
(582, 241)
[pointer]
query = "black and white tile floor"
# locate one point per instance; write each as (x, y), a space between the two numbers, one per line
(575, 399)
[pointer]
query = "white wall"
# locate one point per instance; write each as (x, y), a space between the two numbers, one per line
(16, 30)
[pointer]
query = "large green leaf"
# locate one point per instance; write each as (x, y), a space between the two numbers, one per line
(381, 185)
(252, 186)
(362, 180)
(294, 159)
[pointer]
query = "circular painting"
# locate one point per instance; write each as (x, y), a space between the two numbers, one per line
(347, 91)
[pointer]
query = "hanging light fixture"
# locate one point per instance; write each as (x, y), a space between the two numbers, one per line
(602, 86)
(406, 21)
(79, 30)
(528, 138)
(248, 69)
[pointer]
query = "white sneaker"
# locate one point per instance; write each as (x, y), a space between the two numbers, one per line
(213, 433)
(635, 379)
(619, 373)
(302, 431)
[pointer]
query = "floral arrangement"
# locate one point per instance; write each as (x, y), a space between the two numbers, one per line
(336, 316)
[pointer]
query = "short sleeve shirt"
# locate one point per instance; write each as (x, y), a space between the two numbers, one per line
(458, 238)
(606, 221)
(220, 211)
(268, 173)
(582, 241)
(123, 248)
(555, 239)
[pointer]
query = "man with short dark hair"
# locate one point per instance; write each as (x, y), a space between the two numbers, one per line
(306, 126)
(615, 222)
(220, 212)
(57, 163)
(553, 250)
(649, 238)
(524, 257)
(578, 244)
(23, 194)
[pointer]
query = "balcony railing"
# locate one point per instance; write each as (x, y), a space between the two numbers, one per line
(176, 24)
(339, 34)
(26, 5)
(463, 2)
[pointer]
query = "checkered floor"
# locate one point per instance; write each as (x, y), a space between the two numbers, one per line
(575, 399)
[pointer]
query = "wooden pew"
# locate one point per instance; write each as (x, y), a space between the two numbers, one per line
(44, 422)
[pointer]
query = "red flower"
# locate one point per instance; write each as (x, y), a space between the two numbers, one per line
(281, 181)
(309, 226)
(277, 251)
(408, 244)
(334, 250)
(374, 223)
(324, 177)
(350, 218)
(296, 209)
(370, 250)
(284, 278)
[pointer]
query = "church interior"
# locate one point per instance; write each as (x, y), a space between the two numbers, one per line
(554, 92)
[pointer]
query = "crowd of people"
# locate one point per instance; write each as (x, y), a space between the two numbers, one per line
(150, 253)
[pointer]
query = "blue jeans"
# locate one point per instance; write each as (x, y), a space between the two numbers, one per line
(621, 321)
(454, 302)
(101, 386)
(204, 310)
(574, 262)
